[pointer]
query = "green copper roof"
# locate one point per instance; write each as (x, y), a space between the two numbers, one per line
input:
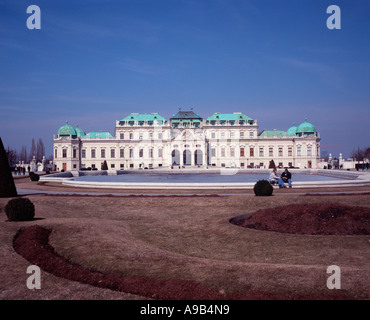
(229, 116)
(67, 130)
(272, 133)
(80, 132)
(100, 135)
(144, 117)
(306, 127)
(291, 131)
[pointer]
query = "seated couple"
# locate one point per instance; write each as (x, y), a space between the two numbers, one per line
(286, 176)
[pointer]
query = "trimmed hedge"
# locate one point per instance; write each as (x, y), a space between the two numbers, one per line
(20, 209)
(34, 176)
(263, 188)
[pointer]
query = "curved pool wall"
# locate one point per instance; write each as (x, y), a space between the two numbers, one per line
(171, 179)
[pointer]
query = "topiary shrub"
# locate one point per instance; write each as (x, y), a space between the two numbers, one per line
(34, 176)
(20, 209)
(263, 188)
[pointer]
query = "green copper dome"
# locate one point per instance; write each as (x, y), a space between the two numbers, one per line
(306, 128)
(292, 130)
(67, 130)
(80, 132)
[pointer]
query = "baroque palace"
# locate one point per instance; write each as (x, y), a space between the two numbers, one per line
(228, 140)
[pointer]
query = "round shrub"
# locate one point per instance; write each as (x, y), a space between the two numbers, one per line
(34, 176)
(20, 209)
(263, 188)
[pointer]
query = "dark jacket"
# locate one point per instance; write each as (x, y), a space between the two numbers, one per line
(286, 175)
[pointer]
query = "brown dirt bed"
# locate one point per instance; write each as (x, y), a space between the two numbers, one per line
(315, 219)
(33, 244)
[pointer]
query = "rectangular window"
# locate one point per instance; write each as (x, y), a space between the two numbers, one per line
(251, 134)
(121, 153)
(64, 153)
(140, 136)
(55, 153)
(290, 151)
(299, 151)
(112, 153)
(131, 153)
(150, 153)
(83, 153)
(121, 165)
(160, 153)
(150, 136)
(271, 152)
(241, 134)
(280, 151)
(232, 152)
(74, 152)
(251, 152)
(131, 136)
(141, 153)
(92, 153)
(213, 152)
(232, 134)
(309, 151)
(290, 164)
(213, 135)
(222, 135)
(121, 136)
(261, 152)
(223, 152)
(159, 136)
(102, 153)
(261, 164)
(242, 152)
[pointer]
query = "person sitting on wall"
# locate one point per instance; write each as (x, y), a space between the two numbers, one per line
(286, 176)
(275, 178)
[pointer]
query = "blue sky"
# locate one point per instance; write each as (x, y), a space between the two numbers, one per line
(94, 62)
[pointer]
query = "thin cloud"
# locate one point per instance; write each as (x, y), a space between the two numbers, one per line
(127, 29)
(137, 66)
(13, 108)
(329, 51)
(91, 100)
(306, 65)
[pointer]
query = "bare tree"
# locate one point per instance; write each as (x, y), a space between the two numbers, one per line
(23, 155)
(40, 150)
(11, 154)
(367, 153)
(33, 149)
(358, 154)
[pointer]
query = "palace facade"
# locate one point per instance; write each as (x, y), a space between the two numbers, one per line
(186, 140)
